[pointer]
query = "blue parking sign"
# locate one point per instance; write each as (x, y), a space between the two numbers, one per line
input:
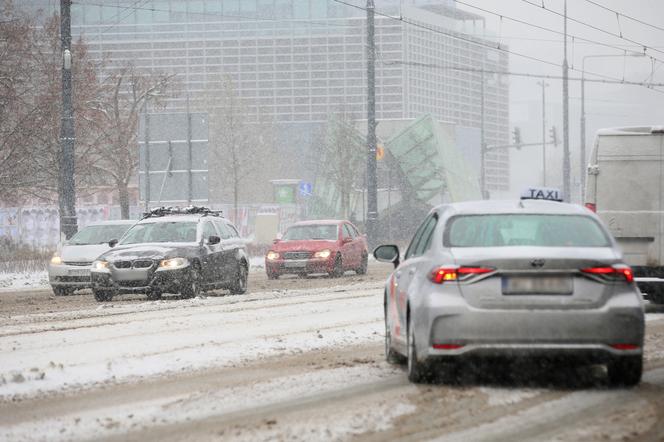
(305, 188)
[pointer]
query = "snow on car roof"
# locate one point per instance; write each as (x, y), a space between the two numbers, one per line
(319, 222)
(171, 218)
(514, 206)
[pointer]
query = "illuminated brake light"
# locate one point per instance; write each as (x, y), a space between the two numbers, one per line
(592, 207)
(447, 346)
(622, 271)
(625, 346)
(473, 270)
(442, 274)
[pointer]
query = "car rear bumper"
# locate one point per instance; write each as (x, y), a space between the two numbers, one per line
(590, 333)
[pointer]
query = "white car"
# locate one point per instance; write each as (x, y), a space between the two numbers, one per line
(69, 268)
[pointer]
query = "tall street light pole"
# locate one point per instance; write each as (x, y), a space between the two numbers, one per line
(372, 181)
(482, 139)
(582, 150)
(544, 85)
(566, 154)
(66, 189)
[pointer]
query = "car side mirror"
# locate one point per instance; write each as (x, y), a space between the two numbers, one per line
(112, 243)
(275, 240)
(387, 253)
(213, 239)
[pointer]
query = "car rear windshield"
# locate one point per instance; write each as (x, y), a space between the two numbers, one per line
(501, 230)
(173, 231)
(315, 231)
(98, 234)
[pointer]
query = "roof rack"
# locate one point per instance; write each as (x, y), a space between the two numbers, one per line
(190, 210)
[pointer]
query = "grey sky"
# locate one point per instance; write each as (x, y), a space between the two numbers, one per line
(606, 105)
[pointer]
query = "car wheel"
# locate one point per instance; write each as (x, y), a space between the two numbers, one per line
(362, 270)
(154, 295)
(193, 285)
(391, 356)
(417, 370)
(102, 295)
(272, 275)
(239, 286)
(62, 291)
(625, 371)
(338, 269)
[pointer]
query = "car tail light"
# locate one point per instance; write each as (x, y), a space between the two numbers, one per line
(612, 272)
(592, 207)
(447, 346)
(442, 274)
(625, 346)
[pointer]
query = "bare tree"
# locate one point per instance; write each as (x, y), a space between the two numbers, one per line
(340, 158)
(16, 103)
(239, 141)
(124, 94)
(30, 106)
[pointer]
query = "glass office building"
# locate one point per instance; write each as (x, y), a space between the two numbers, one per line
(296, 61)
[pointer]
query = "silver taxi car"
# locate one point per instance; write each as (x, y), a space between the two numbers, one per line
(508, 279)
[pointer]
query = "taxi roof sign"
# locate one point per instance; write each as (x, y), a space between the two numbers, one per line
(542, 193)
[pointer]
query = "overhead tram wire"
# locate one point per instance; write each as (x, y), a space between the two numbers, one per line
(126, 11)
(606, 8)
(212, 14)
(647, 85)
(478, 43)
(596, 28)
(457, 37)
(554, 31)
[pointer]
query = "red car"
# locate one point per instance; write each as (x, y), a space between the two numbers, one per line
(329, 246)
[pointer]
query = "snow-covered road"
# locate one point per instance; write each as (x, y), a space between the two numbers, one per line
(121, 342)
(286, 364)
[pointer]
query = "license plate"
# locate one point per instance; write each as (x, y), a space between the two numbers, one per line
(549, 285)
(79, 272)
(295, 264)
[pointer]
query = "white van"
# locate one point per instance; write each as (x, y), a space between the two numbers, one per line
(625, 186)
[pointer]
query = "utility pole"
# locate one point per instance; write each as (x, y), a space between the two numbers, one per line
(189, 155)
(372, 181)
(66, 189)
(146, 156)
(566, 155)
(482, 136)
(544, 85)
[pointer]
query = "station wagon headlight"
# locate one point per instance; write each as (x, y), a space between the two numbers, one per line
(100, 265)
(323, 254)
(56, 260)
(271, 256)
(173, 263)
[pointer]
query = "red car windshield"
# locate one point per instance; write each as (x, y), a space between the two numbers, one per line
(312, 232)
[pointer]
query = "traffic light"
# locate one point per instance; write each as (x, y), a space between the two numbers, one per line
(516, 134)
(554, 135)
